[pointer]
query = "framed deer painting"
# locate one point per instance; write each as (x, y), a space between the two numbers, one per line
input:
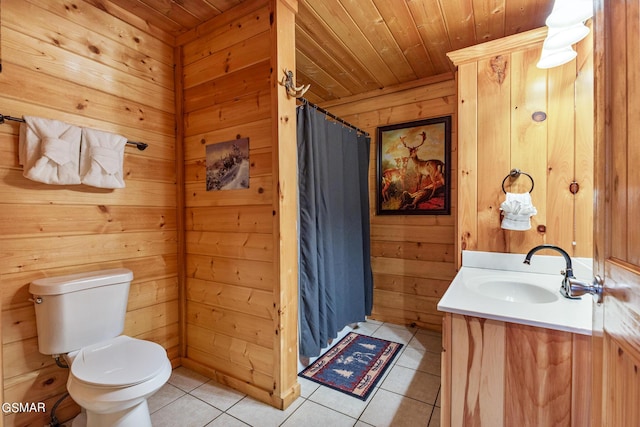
(414, 168)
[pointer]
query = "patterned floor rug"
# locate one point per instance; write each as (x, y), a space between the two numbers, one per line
(354, 365)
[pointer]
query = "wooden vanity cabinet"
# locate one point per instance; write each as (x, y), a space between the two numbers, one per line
(499, 374)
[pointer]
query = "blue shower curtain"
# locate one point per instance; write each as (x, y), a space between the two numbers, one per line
(336, 285)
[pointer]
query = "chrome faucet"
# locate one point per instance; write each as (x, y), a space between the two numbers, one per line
(565, 289)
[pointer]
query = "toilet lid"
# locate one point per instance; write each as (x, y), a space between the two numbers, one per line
(120, 362)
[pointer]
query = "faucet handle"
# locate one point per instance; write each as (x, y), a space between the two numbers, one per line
(578, 288)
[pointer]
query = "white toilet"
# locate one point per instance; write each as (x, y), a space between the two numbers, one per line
(81, 317)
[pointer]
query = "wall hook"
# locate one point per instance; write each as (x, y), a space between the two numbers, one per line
(292, 90)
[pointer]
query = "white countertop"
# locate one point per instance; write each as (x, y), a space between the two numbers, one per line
(463, 296)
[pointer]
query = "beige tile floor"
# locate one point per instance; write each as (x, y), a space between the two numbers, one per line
(407, 396)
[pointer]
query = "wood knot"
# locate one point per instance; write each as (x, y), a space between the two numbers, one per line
(498, 66)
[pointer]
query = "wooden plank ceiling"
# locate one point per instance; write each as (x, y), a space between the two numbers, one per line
(348, 47)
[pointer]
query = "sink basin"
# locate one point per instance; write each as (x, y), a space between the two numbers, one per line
(499, 287)
(515, 291)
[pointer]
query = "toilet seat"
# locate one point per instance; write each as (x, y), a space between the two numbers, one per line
(119, 362)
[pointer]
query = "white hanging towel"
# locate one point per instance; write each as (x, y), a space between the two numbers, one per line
(49, 151)
(102, 159)
(518, 211)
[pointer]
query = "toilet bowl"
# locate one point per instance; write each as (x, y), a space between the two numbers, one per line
(111, 381)
(81, 316)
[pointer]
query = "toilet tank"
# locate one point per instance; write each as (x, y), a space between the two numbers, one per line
(80, 309)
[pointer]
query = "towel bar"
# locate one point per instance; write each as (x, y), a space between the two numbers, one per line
(139, 145)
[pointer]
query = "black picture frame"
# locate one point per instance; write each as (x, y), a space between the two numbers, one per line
(413, 168)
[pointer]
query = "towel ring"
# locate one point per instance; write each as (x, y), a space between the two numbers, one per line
(515, 173)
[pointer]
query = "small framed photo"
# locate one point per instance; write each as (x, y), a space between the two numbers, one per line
(413, 168)
(228, 165)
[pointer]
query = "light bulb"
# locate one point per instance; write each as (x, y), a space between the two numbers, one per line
(550, 58)
(566, 13)
(565, 36)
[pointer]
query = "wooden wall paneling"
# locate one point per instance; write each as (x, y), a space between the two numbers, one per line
(584, 153)
(413, 268)
(440, 106)
(139, 193)
(253, 274)
(494, 149)
(400, 98)
(245, 358)
(19, 256)
(92, 33)
(237, 377)
(247, 219)
(180, 199)
(248, 328)
(146, 319)
(285, 203)
(413, 250)
(72, 97)
(241, 245)
(31, 54)
(259, 193)
(231, 17)
(251, 79)
(411, 285)
(238, 56)
(105, 219)
(529, 140)
(242, 299)
(561, 168)
(240, 27)
(503, 132)
(103, 73)
(467, 228)
(228, 114)
(115, 29)
(194, 145)
(253, 246)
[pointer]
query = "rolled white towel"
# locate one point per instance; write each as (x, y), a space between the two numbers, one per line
(102, 159)
(518, 210)
(49, 151)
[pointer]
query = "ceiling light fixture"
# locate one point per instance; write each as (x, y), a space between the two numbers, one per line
(565, 27)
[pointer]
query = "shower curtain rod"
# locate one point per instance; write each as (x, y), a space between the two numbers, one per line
(333, 116)
(139, 145)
